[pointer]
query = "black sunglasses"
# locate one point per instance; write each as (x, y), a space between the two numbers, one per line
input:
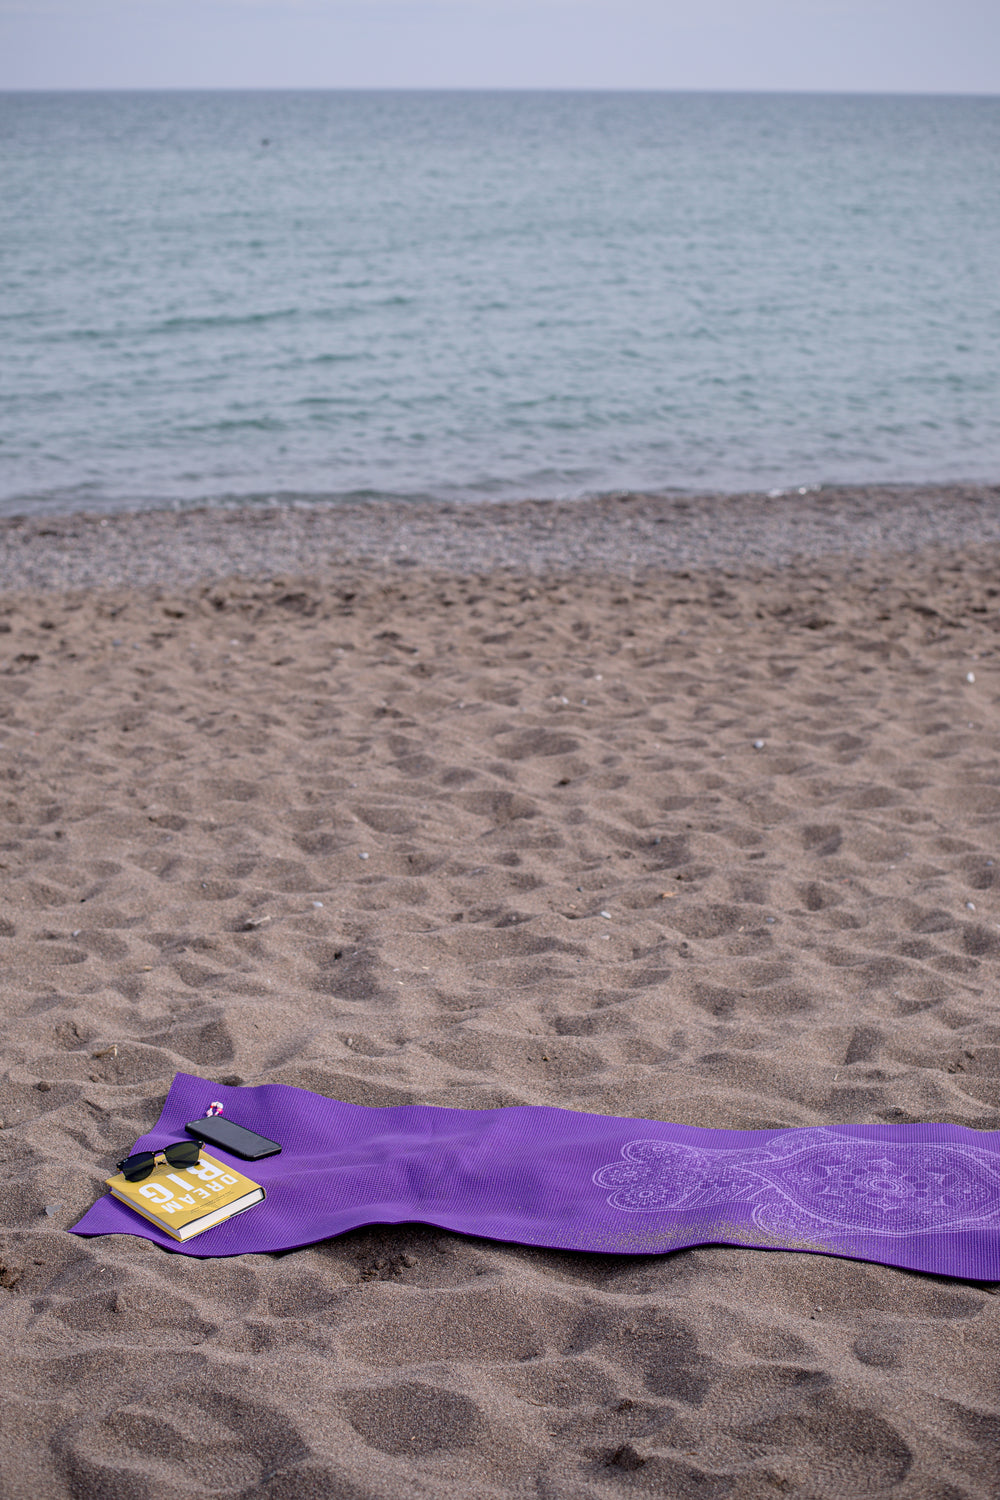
(178, 1154)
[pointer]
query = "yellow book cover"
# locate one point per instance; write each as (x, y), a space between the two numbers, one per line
(185, 1201)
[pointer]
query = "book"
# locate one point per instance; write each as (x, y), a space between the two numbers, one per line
(185, 1201)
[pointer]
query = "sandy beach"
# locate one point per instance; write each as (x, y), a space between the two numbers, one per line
(675, 808)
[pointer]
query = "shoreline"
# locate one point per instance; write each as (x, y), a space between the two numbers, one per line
(628, 535)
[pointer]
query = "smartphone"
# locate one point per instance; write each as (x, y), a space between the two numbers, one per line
(215, 1131)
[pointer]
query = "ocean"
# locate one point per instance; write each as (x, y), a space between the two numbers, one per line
(240, 297)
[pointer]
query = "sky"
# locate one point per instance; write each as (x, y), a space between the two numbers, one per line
(913, 46)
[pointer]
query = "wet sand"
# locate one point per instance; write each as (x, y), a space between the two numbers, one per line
(678, 813)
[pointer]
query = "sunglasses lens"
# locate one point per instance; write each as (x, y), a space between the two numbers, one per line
(135, 1168)
(182, 1153)
(179, 1154)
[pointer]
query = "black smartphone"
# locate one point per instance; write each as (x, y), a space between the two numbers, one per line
(215, 1131)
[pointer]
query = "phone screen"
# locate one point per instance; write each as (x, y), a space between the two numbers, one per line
(231, 1137)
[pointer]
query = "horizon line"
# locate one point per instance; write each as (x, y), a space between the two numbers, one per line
(496, 88)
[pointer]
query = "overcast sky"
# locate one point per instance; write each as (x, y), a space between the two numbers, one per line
(910, 45)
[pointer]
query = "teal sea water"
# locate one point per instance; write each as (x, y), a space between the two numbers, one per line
(237, 296)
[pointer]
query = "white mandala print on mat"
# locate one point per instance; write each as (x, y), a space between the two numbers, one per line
(811, 1180)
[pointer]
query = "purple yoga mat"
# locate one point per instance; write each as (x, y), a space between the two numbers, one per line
(925, 1197)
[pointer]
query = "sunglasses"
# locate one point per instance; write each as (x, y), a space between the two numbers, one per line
(178, 1154)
